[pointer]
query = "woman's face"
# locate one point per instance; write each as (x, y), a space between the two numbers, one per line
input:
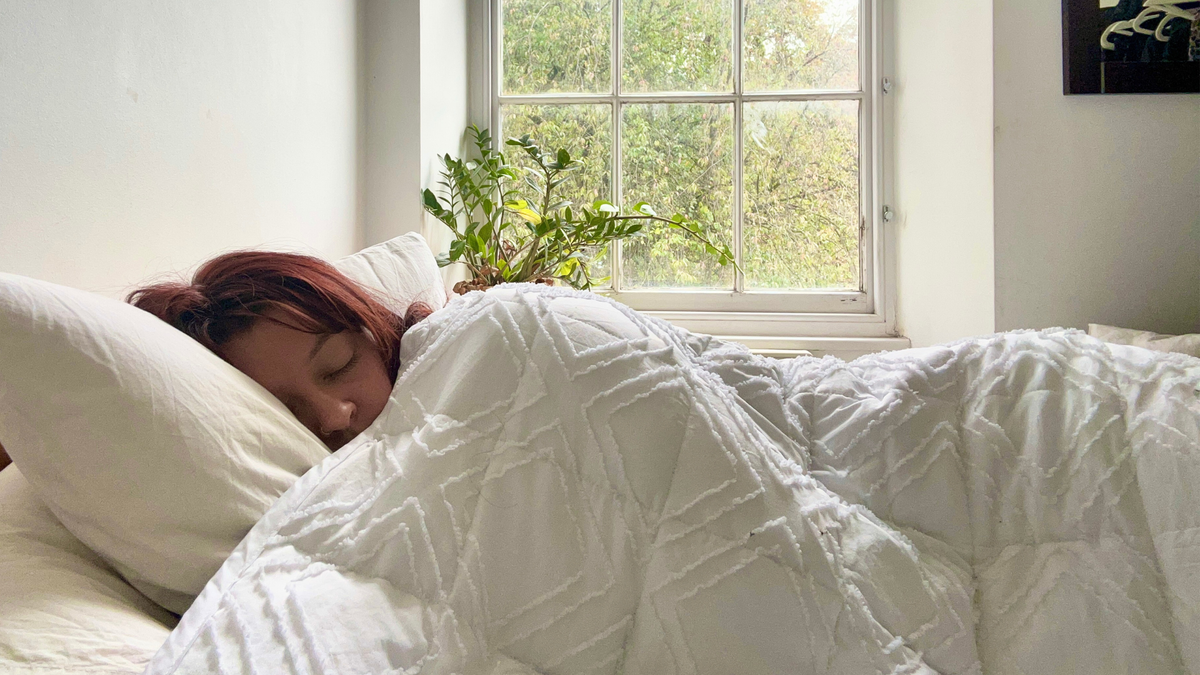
(335, 384)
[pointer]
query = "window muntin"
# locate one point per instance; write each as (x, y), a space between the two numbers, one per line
(769, 141)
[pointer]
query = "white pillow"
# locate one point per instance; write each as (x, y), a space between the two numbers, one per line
(152, 450)
(403, 270)
(62, 609)
(149, 448)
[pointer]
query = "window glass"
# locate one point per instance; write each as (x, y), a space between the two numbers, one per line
(773, 154)
(800, 45)
(801, 195)
(678, 157)
(556, 46)
(678, 45)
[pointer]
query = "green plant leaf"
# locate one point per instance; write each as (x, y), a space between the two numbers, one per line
(644, 208)
(529, 215)
(500, 205)
(432, 202)
(476, 243)
(524, 210)
(568, 266)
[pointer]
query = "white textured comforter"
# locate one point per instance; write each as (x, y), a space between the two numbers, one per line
(563, 486)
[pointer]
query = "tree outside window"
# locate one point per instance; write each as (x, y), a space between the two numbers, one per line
(746, 115)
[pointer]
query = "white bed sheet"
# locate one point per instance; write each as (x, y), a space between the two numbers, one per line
(62, 609)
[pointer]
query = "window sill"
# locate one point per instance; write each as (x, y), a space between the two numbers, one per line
(846, 348)
(783, 335)
(778, 324)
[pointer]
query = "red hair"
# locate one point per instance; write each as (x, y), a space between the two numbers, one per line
(232, 291)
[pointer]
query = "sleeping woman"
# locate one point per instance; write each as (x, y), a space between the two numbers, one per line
(322, 344)
(307, 333)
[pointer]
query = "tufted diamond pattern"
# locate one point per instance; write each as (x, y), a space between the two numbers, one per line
(561, 485)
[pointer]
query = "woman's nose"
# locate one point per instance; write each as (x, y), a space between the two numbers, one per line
(334, 415)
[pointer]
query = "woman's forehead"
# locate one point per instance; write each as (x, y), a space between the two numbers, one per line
(293, 318)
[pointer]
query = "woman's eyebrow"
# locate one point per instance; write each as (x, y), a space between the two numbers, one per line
(321, 340)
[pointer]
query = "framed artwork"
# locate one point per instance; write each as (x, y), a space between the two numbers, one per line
(1131, 46)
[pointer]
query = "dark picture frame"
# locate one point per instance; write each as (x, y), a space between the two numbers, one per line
(1133, 62)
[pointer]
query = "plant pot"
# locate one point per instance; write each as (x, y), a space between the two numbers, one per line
(479, 284)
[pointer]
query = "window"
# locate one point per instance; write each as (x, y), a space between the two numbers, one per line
(757, 118)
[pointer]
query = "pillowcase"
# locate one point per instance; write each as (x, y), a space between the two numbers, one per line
(1182, 344)
(62, 609)
(148, 447)
(402, 271)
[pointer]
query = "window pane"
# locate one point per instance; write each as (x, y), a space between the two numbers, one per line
(556, 46)
(800, 44)
(677, 45)
(678, 157)
(584, 130)
(801, 204)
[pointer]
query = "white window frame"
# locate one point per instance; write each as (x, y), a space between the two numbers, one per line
(770, 321)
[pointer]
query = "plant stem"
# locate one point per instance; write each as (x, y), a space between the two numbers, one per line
(695, 234)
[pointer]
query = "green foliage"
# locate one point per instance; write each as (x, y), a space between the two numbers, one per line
(512, 224)
(678, 45)
(559, 46)
(680, 156)
(800, 196)
(585, 129)
(800, 44)
(801, 203)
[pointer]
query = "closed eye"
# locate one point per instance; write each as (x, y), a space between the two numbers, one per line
(336, 375)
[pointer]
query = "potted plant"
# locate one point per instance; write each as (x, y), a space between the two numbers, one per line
(509, 226)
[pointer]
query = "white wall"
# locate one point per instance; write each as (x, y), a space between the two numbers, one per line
(445, 80)
(139, 136)
(1097, 197)
(415, 109)
(943, 169)
(392, 118)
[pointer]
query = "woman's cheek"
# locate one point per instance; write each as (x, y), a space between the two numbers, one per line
(374, 392)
